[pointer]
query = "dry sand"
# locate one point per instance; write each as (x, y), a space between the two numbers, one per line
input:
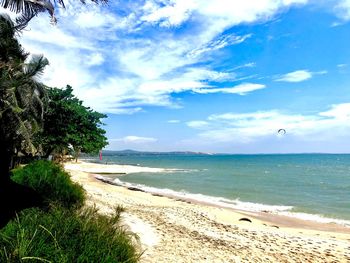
(181, 231)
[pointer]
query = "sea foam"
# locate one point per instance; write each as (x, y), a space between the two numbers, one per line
(226, 203)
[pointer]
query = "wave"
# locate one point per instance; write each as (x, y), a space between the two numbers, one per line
(226, 203)
(317, 218)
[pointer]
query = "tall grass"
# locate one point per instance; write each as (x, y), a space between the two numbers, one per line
(65, 231)
(51, 182)
(66, 236)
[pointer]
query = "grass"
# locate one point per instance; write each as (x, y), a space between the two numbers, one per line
(63, 236)
(51, 182)
(64, 231)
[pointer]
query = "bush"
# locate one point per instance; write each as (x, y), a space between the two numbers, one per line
(65, 236)
(51, 182)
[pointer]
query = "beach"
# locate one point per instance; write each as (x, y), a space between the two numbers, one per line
(180, 230)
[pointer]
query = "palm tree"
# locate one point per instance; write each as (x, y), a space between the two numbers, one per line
(21, 95)
(30, 8)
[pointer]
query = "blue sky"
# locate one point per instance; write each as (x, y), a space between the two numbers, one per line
(211, 76)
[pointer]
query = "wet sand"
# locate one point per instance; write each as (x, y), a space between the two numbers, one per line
(174, 230)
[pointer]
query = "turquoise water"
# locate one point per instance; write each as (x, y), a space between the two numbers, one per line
(298, 184)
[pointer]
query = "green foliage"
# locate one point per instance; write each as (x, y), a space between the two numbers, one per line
(62, 236)
(69, 122)
(21, 95)
(51, 182)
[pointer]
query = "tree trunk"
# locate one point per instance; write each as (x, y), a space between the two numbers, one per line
(77, 153)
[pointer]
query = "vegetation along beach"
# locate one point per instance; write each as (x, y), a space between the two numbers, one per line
(174, 131)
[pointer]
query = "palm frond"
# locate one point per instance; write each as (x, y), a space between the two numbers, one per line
(36, 66)
(23, 20)
(9, 46)
(30, 8)
(21, 107)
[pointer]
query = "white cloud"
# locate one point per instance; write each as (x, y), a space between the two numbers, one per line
(54, 36)
(254, 126)
(168, 13)
(338, 112)
(94, 59)
(296, 76)
(242, 116)
(68, 67)
(290, 2)
(197, 124)
(221, 42)
(120, 110)
(247, 65)
(94, 19)
(115, 68)
(135, 139)
(342, 65)
(173, 121)
(242, 89)
(175, 12)
(299, 75)
(343, 9)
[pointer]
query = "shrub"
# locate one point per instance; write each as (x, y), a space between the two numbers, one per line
(65, 236)
(51, 182)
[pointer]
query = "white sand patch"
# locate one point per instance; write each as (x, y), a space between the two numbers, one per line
(111, 168)
(145, 232)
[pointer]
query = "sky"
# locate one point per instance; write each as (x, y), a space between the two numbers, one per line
(206, 75)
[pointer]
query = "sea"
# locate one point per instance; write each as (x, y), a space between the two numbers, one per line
(308, 186)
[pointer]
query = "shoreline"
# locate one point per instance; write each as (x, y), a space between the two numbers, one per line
(212, 233)
(267, 217)
(286, 219)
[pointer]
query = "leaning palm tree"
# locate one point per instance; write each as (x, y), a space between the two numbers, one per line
(21, 95)
(30, 8)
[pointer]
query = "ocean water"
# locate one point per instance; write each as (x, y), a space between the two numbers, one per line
(309, 186)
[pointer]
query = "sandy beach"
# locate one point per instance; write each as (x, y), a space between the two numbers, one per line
(174, 230)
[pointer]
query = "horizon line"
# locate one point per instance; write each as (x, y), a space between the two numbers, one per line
(218, 153)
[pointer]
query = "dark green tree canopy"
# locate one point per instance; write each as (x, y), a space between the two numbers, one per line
(68, 123)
